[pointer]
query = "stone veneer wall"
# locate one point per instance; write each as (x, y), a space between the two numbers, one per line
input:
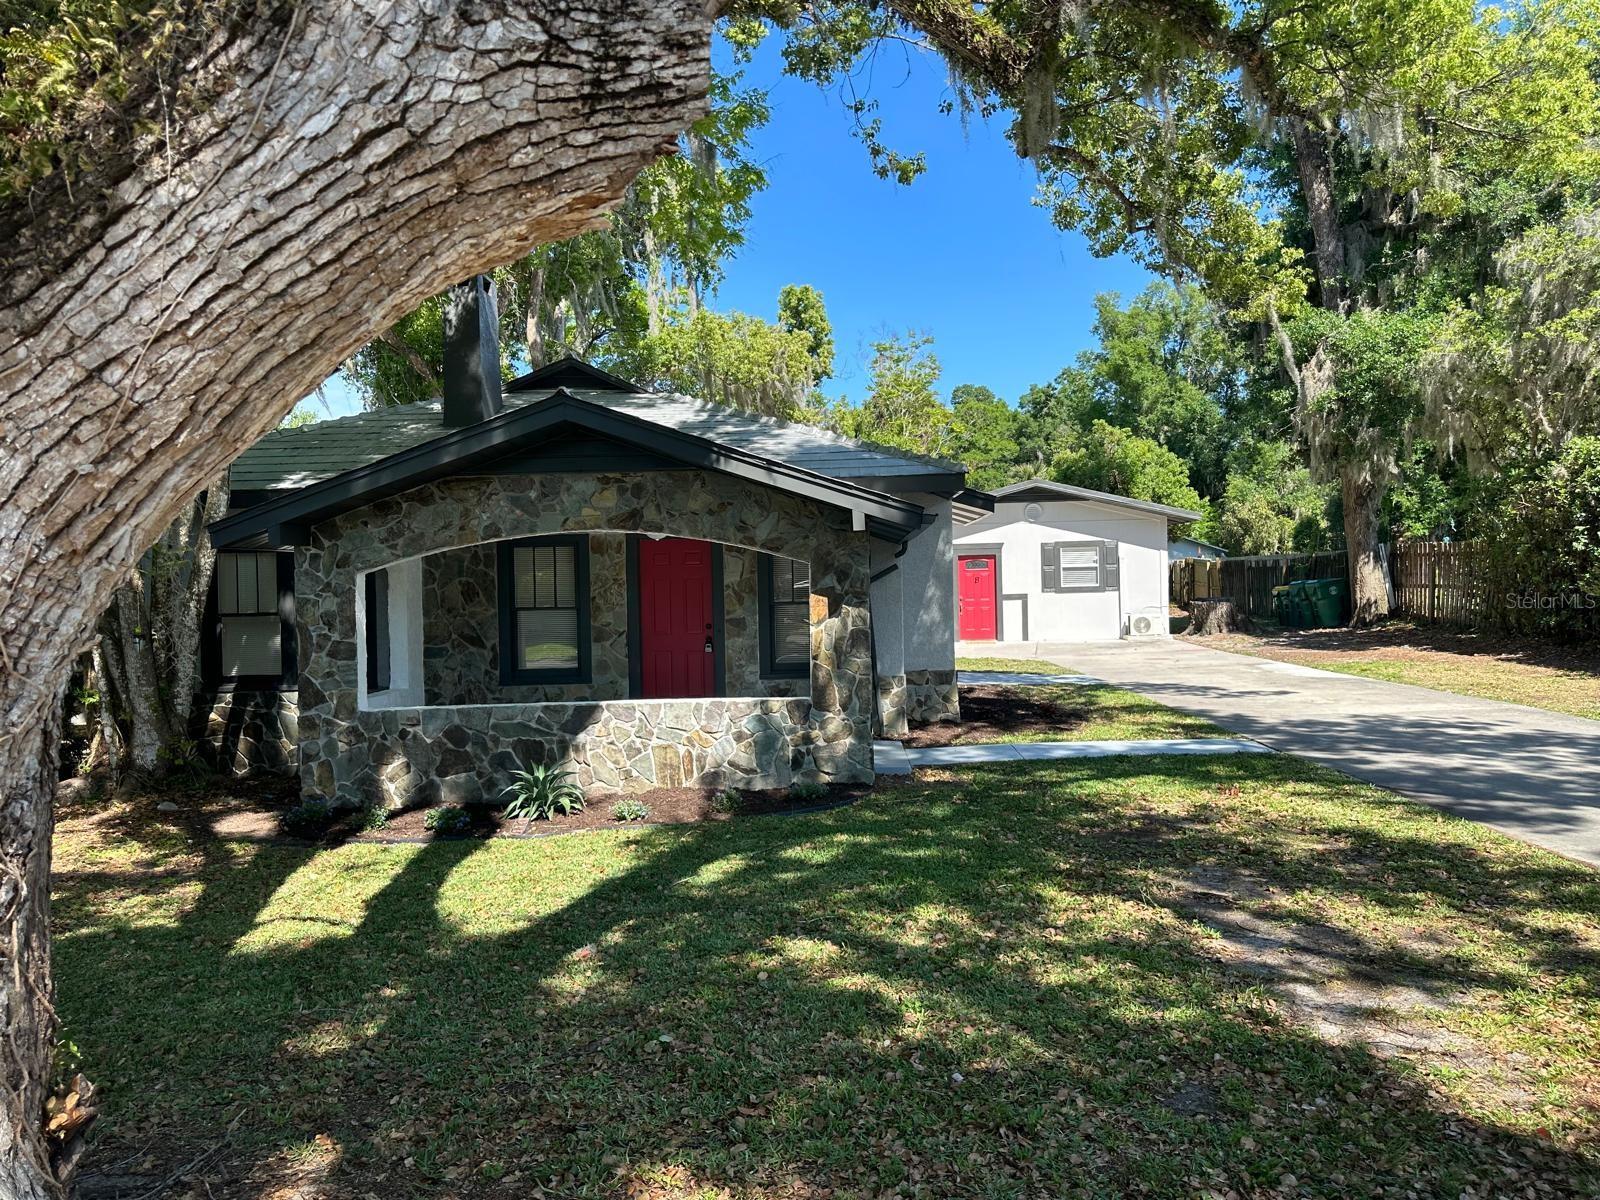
(355, 757)
(461, 628)
(465, 755)
(931, 696)
(242, 732)
(741, 629)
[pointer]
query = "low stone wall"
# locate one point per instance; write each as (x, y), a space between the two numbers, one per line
(931, 696)
(404, 758)
(240, 733)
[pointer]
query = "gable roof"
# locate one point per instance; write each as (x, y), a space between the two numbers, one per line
(286, 518)
(292, 458)
(570, 372)
(1183, 537)
(1044, 490)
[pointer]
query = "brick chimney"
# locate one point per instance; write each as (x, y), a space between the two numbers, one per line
(471, 353)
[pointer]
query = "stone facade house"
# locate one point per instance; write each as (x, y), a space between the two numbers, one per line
(414, 602)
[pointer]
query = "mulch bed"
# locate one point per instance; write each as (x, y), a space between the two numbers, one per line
(668, 806)
(989, 711)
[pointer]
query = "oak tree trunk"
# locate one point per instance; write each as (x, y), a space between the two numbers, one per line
(1363, 510)
(349, 161)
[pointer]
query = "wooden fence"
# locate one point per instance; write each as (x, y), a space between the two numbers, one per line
(1249, 581)
(1439, 581)
(1433, 581)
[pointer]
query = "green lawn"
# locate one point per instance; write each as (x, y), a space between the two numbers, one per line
(1107, 713)
(986, 984)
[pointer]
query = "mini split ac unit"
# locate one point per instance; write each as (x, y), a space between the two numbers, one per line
(1147, 623)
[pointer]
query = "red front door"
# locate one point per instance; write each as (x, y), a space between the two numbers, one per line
(675, 618)
(975, 597)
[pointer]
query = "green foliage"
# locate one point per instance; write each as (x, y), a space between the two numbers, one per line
(1542, 546)
(1111, 459)
(808, 791)
(447, 819)
(541, 793)
(308, 819)
(1373, 397)
(983, 435)
(800, 310)
(1168, 368)
(630, 808)
(726, 801)
(302, 416)
(729, 358)
(374, 817)
(902, 409)
(1271, 505)
(1516, 368)
(73, 78)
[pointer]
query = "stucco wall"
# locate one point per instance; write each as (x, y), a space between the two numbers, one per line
(352, 756)
(1072, 616)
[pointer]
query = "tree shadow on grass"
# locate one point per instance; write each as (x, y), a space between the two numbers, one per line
(965, 988)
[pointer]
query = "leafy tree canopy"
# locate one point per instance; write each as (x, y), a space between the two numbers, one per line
(1111, 459)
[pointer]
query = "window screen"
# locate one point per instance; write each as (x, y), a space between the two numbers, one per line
(544, 599)
(249, 628)
(787, 613)
(1080, 565)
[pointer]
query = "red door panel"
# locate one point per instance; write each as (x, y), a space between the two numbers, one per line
(675, 618)
(975, 598)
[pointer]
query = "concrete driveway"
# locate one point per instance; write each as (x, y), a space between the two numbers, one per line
(1529, 773)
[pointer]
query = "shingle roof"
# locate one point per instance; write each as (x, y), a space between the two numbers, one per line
(289, 458)
(1048, 489)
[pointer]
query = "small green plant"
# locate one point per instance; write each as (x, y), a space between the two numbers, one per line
(541, 793)
(630, 809)
(808, 792)
(308, 819)
(726, 800)
(448, 818)
(373, 818)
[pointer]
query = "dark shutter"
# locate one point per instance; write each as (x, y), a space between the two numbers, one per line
(1108, 566)
(1050, 567)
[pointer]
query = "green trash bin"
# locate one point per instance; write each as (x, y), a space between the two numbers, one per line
(1280, 606)
(1329, 596)
(1302, 605)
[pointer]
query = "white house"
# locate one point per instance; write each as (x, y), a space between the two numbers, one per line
(1058, 563)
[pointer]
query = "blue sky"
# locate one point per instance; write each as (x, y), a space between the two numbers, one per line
(961, 254)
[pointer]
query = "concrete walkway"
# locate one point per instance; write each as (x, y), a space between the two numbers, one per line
(894, 759)
(1529, 773)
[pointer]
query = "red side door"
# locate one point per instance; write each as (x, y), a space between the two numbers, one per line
(975, 597)
(675, 631)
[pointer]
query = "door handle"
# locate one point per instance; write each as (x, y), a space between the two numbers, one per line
(709, 648)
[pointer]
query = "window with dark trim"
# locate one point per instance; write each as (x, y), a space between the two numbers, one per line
(1078, 566)
(785, 593)
(378, 631)
(251, 619)
(544, 610)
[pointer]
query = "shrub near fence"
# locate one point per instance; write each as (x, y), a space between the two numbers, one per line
(1249, 581)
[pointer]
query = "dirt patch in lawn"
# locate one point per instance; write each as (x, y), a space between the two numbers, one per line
(990, 712)
(1330, 982)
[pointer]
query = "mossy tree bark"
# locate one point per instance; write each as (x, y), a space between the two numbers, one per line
(347, 162)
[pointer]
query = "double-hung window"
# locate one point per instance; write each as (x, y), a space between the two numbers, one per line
(251, 619)
(785, 593)
(544, 610)
(1081, 566)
